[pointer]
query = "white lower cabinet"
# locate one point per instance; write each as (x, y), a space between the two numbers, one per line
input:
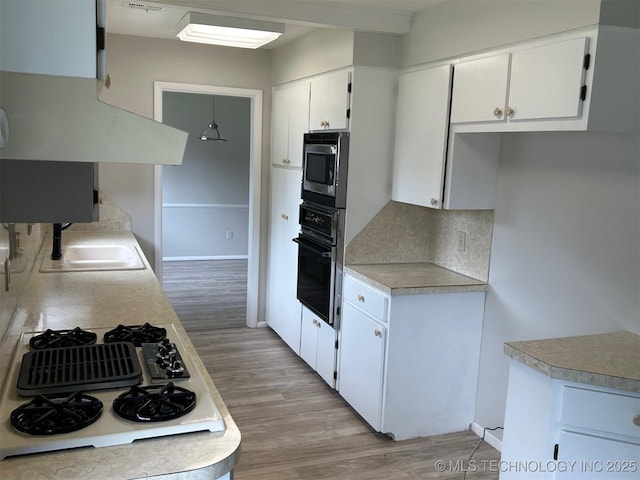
(409, 363)
(362, 363)
(318, 346)
(575, 431)
(283, 309)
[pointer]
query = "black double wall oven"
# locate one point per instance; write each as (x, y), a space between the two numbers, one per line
(322, 220)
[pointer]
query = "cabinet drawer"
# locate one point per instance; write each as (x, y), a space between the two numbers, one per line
(598, 410)
(365, 298)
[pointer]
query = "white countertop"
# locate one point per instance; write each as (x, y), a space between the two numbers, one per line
(64, 300)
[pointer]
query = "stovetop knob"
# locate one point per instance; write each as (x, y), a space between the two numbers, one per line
(175, 368)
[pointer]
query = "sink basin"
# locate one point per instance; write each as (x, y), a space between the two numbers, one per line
(95, 257)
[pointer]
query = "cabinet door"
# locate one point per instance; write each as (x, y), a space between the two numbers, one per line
(298, 121)
(329, 101)
(546, 81)
(309, 338)
(480, 90)
(326, 353)
(290, 120)
(597, 457)
(362, 364)
(280, 127)
(283, 309)
(422, 121)
(69, 27)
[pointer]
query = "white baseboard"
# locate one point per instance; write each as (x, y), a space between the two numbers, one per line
(489, 437)
(211, 257)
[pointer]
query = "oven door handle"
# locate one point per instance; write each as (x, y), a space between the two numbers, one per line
(310, 246)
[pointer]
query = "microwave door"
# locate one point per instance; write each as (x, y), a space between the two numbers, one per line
(319, 170)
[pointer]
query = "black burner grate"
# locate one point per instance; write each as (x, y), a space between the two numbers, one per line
(87, 367)
(154, 403)
(136, 334)
(52, 414)
(62, 338)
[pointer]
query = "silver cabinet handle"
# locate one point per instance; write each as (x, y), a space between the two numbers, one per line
(434, 202)
(361, 298)
(509, 112)
(497, 112)
(377, 333)
(636, 420)
(284, 216)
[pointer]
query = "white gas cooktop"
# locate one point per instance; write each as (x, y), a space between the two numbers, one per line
(109, 429)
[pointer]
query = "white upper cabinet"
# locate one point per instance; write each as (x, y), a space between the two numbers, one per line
(421, 136)
(535, 83)
(49, 37)
(290, 120)
(583, 80)
(480, 90)
(329, 107)
(546, 82)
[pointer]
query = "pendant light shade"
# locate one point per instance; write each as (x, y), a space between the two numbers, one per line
(212, 132)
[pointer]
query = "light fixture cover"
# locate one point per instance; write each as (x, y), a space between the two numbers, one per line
(227, 31)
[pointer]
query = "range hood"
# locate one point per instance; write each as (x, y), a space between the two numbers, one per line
(60, 118)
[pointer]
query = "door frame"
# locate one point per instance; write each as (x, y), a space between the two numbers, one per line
(255, 178)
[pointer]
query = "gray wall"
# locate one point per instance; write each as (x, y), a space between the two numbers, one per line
(208, 195)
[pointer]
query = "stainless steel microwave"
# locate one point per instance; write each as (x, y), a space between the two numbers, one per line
(324, 168)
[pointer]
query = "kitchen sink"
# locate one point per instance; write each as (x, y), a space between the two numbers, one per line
(95, 257)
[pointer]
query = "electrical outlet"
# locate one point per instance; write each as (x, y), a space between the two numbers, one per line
(229, 235)
(462, 238)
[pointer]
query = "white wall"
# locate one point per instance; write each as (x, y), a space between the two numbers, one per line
(565, 256)
(134, 64)
(318, 51)
(457, 27)
(324, 50)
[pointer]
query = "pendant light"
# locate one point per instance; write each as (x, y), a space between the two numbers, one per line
(212, 132)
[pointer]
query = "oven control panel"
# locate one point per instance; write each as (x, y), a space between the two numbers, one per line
(164, 362)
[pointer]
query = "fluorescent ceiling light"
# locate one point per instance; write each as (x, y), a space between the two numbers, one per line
(227, 31)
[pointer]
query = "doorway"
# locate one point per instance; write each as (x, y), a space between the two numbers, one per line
(243, 230)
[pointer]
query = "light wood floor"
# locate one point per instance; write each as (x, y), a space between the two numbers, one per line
(294, 427)
(207, 294)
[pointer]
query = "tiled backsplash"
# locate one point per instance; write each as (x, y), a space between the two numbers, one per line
(403, 233)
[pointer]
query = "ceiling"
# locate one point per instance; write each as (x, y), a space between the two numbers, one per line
(158, 18)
